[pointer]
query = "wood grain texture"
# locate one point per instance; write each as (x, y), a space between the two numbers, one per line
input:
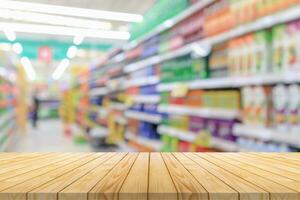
(187, 186)
(247, 190)
(80, 188)
(161, 185)
(109, 187)
(135, 186)
(153, 176)
(216, 188)
(50, 189)
(277, 191)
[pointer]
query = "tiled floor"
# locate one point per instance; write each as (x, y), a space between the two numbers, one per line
(48, 137)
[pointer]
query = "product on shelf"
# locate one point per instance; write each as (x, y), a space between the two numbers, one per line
(281, 104)
(248, 144)
(224, 15)
(183, 69)
(294, 108)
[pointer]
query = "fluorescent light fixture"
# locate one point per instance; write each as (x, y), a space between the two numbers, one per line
(28, 68)
(71, 53)
(60, 30)
(70, 11)
(63, 65)
(9, 34)
(78, 39)
(53, 20)
(18, 48)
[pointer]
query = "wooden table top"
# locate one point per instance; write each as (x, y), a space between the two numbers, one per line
(225, 176)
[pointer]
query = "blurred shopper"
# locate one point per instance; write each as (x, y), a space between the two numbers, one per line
(35, 109)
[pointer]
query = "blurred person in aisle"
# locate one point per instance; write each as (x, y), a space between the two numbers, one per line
(35, 109)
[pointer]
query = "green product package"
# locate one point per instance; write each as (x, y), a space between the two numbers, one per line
(278, 50)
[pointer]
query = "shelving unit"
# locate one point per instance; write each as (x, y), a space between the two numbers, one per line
(10, 104)
(263, 23)
(148, 143)
(200, 112)
(268, 134)
(224, 116)
(151, 118)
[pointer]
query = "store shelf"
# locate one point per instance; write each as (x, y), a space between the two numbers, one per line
(170, 23)
(99, 91)
(121, 120)
(99, 132)
(142, 116)
(263, 23)
(224, 145)
(234, 82)
(118, 106)
(137, 82)
(268, 134)
(218, 143)
(174, 132)
(200, 112)
(156, 145)
(151, 99)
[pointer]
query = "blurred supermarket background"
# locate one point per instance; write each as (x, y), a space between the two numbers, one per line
(151, 75)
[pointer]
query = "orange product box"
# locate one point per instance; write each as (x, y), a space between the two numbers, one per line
(194, 98)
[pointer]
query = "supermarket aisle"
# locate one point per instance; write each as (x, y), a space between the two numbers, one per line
(48, 138)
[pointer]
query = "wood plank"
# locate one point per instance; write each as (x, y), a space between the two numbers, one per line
(247, 191)
(277, 191)
(151, 176)
(216, 188)
(161, 186)
(292, 184)
(80, 188)
(51, 189)
(186, 185)
(135, 186)
(10, 156)
(111, 184)
(280, 157)
(270, 166)
(20, 191)
(56, 163)
(12, 167)
(287, 165)
(24, 159)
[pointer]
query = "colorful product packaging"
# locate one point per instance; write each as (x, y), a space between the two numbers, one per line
(281, 104)
(294, 108)
(263, 105)
(248, 105)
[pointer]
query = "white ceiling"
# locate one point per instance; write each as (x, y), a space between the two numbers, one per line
(129, 6)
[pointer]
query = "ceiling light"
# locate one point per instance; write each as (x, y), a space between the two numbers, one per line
(53, 20)
(9, 34)
(71, 53)
(78, 39)
(59, 30)
(63, 65)
(70, 11)
(28, 68)
(18, 48)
